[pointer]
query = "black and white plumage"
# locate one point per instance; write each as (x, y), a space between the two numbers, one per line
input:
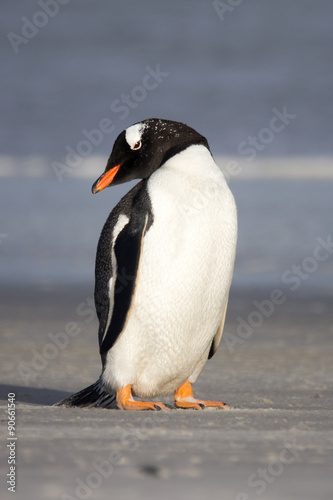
(164, 266)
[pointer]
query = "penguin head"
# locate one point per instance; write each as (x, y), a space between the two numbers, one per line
(143, 147)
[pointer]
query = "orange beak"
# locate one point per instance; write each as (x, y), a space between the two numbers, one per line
(105, 179)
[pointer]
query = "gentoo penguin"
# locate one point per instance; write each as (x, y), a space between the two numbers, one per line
(163, 271)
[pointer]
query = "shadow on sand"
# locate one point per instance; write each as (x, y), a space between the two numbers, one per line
(33, 395)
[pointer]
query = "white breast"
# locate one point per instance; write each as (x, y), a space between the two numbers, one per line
(184, 277)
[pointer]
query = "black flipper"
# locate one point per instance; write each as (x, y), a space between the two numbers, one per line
(123, 267)
(127, 250)
(96, 395)
(104, 268)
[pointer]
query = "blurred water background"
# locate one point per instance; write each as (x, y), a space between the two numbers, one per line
(71, 68)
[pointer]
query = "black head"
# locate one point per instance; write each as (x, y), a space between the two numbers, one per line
(142, 148)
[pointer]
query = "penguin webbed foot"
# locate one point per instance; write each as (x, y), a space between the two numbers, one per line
(185, 399)
(125, 401)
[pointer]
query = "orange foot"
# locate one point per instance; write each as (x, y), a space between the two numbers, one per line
(125, 401)
(184, 399)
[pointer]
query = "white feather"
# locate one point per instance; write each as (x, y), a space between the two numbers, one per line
(133, 134)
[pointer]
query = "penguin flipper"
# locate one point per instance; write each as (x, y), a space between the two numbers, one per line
(218, 335)
(127, 251)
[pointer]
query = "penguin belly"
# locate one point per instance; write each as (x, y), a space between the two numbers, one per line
(183, 281)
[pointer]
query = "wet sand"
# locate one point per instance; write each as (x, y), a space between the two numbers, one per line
(275, 441)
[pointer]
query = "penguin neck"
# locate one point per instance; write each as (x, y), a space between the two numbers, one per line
(195, 160)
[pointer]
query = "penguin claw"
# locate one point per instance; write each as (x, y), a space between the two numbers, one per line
(168, 407)
(142, 405)
(184, 399)
(200, 405)
(125, 401)
(160, 406)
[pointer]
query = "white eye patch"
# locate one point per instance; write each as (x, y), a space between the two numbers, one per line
(133, 135)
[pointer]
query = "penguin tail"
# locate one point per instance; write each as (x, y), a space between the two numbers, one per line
(96, 395)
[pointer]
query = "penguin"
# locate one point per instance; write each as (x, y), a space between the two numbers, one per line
(163, 271)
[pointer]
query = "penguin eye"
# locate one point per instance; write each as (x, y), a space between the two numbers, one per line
(137, 145)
